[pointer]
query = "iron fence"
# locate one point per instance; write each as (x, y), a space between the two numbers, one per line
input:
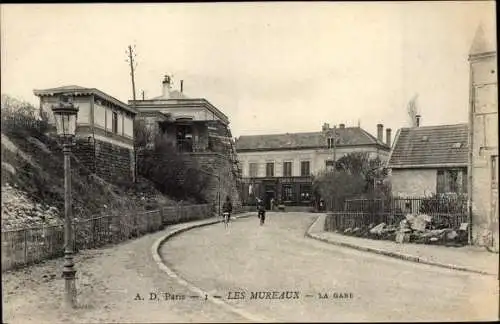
(31, 245)
(424, 205)
(446, 212)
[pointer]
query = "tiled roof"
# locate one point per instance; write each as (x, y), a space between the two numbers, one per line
(346, 136)
(430, 146)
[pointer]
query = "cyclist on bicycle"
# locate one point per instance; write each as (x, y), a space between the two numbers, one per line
(227, 208)
(261, 211)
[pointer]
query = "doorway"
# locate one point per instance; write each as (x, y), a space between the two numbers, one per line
(269, 195)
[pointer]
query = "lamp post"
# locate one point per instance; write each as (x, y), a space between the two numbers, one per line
(65, 117)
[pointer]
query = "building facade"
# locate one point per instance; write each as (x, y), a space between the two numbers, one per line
(105, 130)
(429, 160)
(483, 136)
(281, 166)
(198, 128)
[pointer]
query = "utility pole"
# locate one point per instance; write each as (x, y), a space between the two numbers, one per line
(334, 148)
(143, 96)
(133, 65)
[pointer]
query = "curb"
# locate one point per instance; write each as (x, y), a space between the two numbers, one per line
(157, 258)
(397, 255)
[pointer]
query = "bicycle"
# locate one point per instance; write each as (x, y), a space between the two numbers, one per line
(225, 216)
(262, 216)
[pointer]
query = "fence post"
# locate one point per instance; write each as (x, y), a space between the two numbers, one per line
(92, 231)
(25, 246)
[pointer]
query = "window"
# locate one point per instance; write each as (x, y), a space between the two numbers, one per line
(252, 170)
(305, 168)
(305, 192)
(330, 142)
(270, 169)
(287, 169)
(288, 193)
(115, 122)
(451, 181)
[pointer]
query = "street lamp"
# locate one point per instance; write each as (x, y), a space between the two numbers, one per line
(65, 117)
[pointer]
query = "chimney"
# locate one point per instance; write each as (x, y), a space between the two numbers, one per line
(380, 132)
(417, 117)
(341, 126)
(388, 137)
(325, 127)
(182, 85)
(166, 87)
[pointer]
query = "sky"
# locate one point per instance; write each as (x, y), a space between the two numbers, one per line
(270, 67)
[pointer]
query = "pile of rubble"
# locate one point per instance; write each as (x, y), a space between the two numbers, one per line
(418, 228)
(18, 211)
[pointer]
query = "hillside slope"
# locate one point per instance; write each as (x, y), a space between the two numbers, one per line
(33, 183)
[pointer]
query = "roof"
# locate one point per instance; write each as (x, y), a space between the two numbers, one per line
(430, 146)
(174, 94)
(484, 40)
(161, 103)
(349, 136)
(77, 90)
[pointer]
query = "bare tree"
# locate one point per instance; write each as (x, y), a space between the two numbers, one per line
(412, 110)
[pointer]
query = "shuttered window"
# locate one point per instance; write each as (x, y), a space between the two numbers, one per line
(287, 169)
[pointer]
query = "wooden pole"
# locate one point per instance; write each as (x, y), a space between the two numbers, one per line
(133, 65)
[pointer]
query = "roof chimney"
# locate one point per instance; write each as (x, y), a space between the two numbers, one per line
(182, 85)
(325, 127)
(388, 136)
(380, 132)
(341, 126)
(166, 87)
(418, 117)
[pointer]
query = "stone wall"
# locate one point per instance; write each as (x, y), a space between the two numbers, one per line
(219, 165)
(111, 162)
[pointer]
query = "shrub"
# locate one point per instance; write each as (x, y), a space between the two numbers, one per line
(450, 204)
(20, 118)
(174, 174)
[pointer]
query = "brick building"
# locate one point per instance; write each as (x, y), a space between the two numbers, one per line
(281, 166)
(430, 159)
(104, 133)
(198, 128)
(483, 136)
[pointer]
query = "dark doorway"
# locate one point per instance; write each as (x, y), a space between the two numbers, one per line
(184, 138)
(269, 195)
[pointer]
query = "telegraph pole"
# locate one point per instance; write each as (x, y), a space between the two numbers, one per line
(334, 148)
(133, 65)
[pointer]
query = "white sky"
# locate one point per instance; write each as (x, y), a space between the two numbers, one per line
(271, 67)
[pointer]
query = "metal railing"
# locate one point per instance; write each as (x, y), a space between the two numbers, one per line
(446, 212)
(31, 245)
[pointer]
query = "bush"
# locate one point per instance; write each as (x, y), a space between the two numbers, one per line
(174, 174)
(450, 204)
(20, 118)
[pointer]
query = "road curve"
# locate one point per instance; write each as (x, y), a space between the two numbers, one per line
(280, 275)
